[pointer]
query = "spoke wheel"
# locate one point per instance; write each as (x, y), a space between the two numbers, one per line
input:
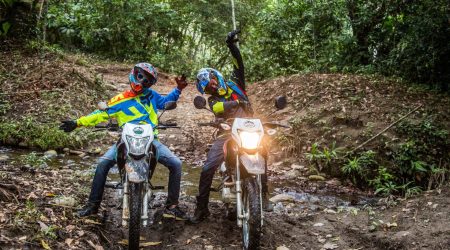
(135, 215)
(251, 223)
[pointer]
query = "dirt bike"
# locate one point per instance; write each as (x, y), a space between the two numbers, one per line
(136, 161)
(242, 170)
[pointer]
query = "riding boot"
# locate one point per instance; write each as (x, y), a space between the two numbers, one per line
(89, 209)
(201, 212)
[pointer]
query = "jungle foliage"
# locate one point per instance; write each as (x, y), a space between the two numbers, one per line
(400, 38)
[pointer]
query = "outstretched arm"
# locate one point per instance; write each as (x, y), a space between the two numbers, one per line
(161, 100)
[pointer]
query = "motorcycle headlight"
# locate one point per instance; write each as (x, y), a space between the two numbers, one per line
(137, 145)
(250, 140)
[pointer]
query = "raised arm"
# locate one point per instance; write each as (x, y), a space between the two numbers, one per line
(238, 74)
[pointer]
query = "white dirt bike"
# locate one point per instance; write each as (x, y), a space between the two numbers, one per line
(136, 161)
(244, 165)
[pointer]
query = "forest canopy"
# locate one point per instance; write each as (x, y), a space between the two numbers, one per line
(408, 39)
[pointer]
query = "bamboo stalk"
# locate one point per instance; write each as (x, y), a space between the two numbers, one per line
(388, 127)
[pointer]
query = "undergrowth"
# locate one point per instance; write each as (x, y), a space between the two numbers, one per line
(421, 161)
(30, 133)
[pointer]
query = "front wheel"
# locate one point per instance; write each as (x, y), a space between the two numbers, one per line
(134, 224)
(251, 206)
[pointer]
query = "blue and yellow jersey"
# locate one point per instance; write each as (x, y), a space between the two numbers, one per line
(130, 107)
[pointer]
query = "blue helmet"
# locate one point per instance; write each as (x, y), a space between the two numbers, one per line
(205, 75)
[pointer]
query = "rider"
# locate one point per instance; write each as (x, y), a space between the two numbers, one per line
(228, 99)
(139, 106)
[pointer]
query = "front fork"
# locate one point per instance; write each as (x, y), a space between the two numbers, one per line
(125, 205)
(239, 203)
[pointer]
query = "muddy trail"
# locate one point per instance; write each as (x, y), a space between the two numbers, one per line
(38, 197)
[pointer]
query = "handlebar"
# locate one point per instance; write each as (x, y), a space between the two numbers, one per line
(166, 127)
(115, 127)
(265, 124)
(212, 124)
(274, 125)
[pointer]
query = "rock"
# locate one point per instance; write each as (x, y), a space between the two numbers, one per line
(298, 167)
(278, 208)
(283, 247)
(334, 182)
(320, 224)
(316, 178)
(4, 157)
(389, 225)
(66, 149)
(282, 197)
(209, 247)
(23, 144)
(82, 155)
(277, 164)
(401, 234)
(291, 174)
(50, 153)
(330, 246)
(329, 211)
(65, 201)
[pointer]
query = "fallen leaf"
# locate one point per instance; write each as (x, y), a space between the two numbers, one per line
(32, 195)
(150, 243)
(330, 246)
(68, 241)
(92, 222)
(70, 228)
(43, 226)
(123, 242)
(96, 247)
(45, 245)
(389, 225)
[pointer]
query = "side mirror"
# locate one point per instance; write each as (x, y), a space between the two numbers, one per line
(280, 102)
(199, 102)
(102, 106)
(170, 105)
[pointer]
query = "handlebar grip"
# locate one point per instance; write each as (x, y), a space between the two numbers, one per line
(166, 127)
(206, 124)
(168, 124)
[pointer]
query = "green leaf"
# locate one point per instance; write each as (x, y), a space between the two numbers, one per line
(5, 27)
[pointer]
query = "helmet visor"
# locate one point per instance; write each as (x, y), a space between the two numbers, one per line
(145, 79)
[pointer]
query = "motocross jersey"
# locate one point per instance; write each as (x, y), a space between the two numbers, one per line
(227, 106)
(131, 107)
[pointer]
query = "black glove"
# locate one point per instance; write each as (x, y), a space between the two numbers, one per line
(68, 126)
(245, 105)
(181, 82)
(231, 37)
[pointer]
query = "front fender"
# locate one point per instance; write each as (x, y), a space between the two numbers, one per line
(137, 170)
(254, 163)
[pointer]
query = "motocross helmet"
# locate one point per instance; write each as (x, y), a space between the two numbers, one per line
(142, 76)
(204, 77)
